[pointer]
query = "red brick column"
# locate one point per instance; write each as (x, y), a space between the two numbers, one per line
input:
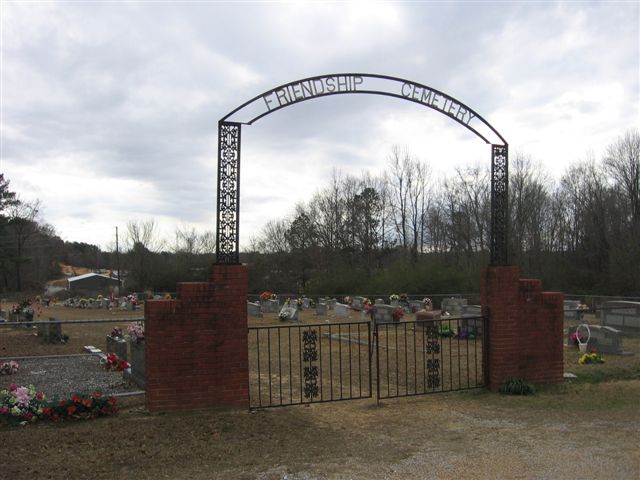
(525, 328)
(196, 346)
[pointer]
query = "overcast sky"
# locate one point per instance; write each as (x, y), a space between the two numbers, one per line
(109, 110)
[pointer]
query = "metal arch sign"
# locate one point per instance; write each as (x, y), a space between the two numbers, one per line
(229, 146)
(363, 83)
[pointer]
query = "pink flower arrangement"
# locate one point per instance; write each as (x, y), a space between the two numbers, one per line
(9, 368)
(136, 331)
(397, 314)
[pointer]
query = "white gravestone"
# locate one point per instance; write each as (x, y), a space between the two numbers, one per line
(341, 310)
(253, 309)
(289, 312)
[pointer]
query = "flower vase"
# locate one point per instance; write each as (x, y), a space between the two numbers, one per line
(582, 347)
(118, 346)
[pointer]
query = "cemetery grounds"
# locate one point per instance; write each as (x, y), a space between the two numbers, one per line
(586, 428)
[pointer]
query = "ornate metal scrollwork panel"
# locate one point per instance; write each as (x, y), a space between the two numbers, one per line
(310, 354)
(228, 215)
(432, 343)
(499, 204)
(432, 347)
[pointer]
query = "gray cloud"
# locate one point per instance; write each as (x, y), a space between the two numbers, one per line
(132, 93)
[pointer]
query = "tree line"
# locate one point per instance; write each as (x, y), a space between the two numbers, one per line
(407, 230)
(403, 231)
(31, 253)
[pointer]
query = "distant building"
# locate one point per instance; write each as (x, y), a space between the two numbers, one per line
(91, 283)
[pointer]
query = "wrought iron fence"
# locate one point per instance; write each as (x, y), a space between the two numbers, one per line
(297, 364)
(421, 357)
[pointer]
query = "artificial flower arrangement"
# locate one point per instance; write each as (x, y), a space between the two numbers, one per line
(264, 296)
(25, 308)
(167, 296)
(397, 314)
(136, 331)
(576, 338)
(347, 300)
(22, 405)
(404, 297)
(368, 306)
(299, 302)
(132, 299)
(113, 362)
(9, 368)
(588, 358)
(427, 303)
(446, 331)
(116, 333)
(393, 297)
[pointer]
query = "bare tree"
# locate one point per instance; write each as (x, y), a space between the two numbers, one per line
(142, 242)
(622, 162)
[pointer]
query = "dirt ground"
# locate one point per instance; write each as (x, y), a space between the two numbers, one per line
(577, 430)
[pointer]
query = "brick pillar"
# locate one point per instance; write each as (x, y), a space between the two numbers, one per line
(525, 328)
(196, 345)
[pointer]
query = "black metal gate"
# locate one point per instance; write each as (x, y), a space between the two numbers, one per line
(421, 357)
(299, 364)
(295, 364)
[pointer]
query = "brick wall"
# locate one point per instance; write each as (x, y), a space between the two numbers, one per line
(196, 345)
(525, 328)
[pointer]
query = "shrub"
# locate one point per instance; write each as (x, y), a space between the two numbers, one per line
(517, 386)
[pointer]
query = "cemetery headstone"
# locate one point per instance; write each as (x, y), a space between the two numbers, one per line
(118, 346)
(341, 310)
(253, 309)
(357, 303)
(269, 306)
(331, 303)
(602, 339)
(454, 305)
(383, 313)
(415, 305)
(622, 315)
(50, 332)
(321, 308)
(289, 312)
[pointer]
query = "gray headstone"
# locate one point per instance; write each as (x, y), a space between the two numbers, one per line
(357, 303)
(341, 310)
(383, 313)
(622, 315)
(454, 305)
(321, 309)
(253, 309)
(415, 305)
(269, 306)
(602, 339)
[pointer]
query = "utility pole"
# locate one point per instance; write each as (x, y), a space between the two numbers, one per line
(118, 261)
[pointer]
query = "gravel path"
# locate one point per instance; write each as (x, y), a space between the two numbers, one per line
(61, 376)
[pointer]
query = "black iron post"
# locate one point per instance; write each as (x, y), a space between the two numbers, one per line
(499, 204)
(228, 209)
